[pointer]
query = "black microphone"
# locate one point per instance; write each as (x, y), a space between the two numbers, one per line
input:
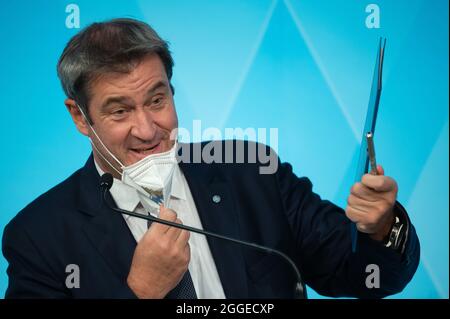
(106, 182)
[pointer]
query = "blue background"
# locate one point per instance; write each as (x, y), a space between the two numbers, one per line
(302, 66)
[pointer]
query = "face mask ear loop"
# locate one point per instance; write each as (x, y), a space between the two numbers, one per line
(93, 145)
(103, 145)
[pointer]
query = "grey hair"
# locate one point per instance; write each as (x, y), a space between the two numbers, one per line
(116, 45)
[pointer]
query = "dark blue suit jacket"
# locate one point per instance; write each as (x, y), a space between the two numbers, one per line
(69, 225)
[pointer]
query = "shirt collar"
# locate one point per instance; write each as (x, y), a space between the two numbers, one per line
(178, 186)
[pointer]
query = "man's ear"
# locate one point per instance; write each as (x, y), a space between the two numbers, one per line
(77, 116)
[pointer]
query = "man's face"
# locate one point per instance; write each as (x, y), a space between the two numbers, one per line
(133, 113)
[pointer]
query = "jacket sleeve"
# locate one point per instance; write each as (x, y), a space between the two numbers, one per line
(29, 276)
(323, 245)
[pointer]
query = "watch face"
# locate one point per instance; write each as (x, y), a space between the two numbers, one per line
(395, 237)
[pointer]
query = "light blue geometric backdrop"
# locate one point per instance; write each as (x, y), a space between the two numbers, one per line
(302, 66)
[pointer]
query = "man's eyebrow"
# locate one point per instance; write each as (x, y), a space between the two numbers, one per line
(126, 100)
(156, 86)
(115, 99)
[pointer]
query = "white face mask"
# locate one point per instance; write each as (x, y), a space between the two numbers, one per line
(151, 176)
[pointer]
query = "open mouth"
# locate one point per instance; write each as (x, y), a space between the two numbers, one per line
(145, 150)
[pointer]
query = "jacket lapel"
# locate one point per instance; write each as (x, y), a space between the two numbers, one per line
(216, 207)
(110, 235)
(106, 229)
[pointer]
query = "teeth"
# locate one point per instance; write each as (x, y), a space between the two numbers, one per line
(143, 150)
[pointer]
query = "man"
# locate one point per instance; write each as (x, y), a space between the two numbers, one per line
(116, 76)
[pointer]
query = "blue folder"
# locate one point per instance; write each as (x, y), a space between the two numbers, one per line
(371, 118)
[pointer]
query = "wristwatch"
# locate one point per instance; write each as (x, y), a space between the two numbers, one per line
(396, 235)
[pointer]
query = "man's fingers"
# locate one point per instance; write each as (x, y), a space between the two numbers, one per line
(360, 219)
(174, 232)
(183, 238)
(354, 214)
(363, 228)
(379, 183)
(360, 204)
(166, 214)
(362, 191)
(187, 252)
(380, 170)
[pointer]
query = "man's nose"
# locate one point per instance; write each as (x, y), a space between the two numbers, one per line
(143, 126)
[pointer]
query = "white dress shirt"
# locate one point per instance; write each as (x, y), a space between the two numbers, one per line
(201, 266)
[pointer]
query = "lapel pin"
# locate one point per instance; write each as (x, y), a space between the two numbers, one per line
(216, 199)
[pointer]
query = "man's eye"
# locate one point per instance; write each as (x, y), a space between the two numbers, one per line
(119, 112)
(157, 101)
